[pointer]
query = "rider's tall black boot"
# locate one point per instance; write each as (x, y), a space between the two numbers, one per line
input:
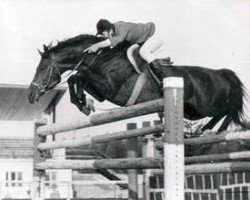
(155, 71)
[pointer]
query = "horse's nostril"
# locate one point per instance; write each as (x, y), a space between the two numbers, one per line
(31, 97)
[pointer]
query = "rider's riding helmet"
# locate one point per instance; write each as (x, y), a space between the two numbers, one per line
(103, 25)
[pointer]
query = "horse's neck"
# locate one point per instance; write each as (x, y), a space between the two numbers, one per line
(68, 55)
(67, 58)
(66, 67)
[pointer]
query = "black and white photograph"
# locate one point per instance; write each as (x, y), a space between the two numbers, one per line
(124, 100)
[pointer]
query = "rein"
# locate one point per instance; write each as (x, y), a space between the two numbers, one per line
(78, 65)
(72, 71)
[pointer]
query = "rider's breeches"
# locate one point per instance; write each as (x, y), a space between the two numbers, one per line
(151, 46)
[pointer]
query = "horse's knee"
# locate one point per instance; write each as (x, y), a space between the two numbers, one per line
(81, 97)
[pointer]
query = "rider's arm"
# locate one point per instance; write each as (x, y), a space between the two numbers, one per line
(104, 43)
(95, 47)
(119, 38)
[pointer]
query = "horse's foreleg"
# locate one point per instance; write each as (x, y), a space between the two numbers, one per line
(72, 80)
(87, 104)
(80, 89)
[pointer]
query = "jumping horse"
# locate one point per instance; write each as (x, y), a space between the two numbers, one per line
(110, 76)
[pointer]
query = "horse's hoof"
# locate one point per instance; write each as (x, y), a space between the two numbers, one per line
(86, 111)
(90, 105)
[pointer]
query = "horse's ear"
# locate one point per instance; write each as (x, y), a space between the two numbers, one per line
(45, 48)
(40, 53)
(50, 45)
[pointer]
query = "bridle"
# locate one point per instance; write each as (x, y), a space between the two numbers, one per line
(45, 88)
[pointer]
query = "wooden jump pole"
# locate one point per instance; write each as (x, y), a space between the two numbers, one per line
(222, 137)
(143, 163)
(173, 138)
(211, 139)
(132, 173)
(121, 163)
(159, 128)
(103, 118)
(240, 155)
(102, 138)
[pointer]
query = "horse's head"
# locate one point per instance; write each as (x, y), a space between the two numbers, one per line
(46, 77)
(66, 55)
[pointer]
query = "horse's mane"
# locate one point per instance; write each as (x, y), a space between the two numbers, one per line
(80, 39)
(83, 39)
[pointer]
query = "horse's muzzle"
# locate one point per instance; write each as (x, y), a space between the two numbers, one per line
(34, 95)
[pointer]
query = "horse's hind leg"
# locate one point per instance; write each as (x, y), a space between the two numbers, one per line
(212, 123)
(225, 123)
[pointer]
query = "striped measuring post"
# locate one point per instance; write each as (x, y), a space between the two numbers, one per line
(173, 138)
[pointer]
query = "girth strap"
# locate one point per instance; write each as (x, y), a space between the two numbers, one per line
(131, 58)
(137, 89)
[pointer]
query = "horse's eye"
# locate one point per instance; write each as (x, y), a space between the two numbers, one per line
(43, 65)
(41, 68)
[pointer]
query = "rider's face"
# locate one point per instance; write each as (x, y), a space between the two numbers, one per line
(107, 34)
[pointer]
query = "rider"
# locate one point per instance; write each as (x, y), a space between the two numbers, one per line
(116, 33)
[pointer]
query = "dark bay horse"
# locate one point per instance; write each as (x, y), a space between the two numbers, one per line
(110, 76)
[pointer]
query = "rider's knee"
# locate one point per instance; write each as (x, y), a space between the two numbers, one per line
(143, 52)
(146, 54)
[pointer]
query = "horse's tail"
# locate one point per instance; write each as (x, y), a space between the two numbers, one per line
(236, 96)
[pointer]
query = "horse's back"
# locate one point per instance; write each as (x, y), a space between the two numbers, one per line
(198, 78)
(207, 90)
(201, 75)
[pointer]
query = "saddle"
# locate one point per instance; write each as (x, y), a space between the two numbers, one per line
(138, 62)
(141, 67)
